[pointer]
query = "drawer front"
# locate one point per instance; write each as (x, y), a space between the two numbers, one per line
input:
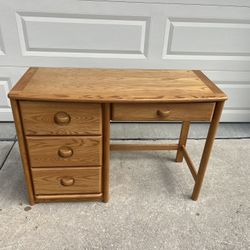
(163, 112)
(67, 180)
(65, 151)
(57, 118)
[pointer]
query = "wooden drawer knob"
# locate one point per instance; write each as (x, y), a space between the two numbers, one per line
(65, 152)
(163, 114)
(67, 181)
(62, 118)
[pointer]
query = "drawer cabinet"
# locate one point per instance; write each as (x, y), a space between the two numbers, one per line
(67, 180)
(60, 118)
(65, 151)
(163, 112)
(64, 143)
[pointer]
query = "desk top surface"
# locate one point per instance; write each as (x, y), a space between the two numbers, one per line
(114, 85)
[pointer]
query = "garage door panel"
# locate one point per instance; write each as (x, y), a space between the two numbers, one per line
(124, 34)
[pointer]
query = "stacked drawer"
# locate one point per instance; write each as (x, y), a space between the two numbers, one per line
(64, 142)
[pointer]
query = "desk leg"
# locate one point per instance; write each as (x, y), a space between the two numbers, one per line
(182, 140)
(207, 149)
(106, 151)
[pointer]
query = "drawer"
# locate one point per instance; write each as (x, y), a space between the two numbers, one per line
(163, 112)
(59, 118)
(65, 151)
(67, 180)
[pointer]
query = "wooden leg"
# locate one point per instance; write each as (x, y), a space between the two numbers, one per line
(207, 149)
(23, 150)
(182, 140)
(106, 151)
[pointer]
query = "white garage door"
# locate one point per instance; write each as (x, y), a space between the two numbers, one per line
(213, 36)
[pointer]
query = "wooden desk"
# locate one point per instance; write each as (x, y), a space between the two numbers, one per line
(63, 115)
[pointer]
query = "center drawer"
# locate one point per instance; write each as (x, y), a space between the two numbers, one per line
(162, 112)
(65, 151)
(67, 180)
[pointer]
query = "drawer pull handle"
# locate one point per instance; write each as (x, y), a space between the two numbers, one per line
(65, 152)
(62, 118)
(67, 181)
(163, 114)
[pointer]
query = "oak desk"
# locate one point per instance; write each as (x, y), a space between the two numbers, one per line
(62, 118)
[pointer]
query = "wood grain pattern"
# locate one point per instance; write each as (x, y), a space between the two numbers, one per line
(44, 150)
(207, 149)
(142, 147)
(174, 112)
(21, 84)
(182, 140)
(110, 85)
(39, 118)
(208, 82)
(189, 162)
(106, 151)
(49, 181)
(68, 197)
(23, 150)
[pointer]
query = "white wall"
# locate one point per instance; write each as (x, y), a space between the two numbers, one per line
(213, 36)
